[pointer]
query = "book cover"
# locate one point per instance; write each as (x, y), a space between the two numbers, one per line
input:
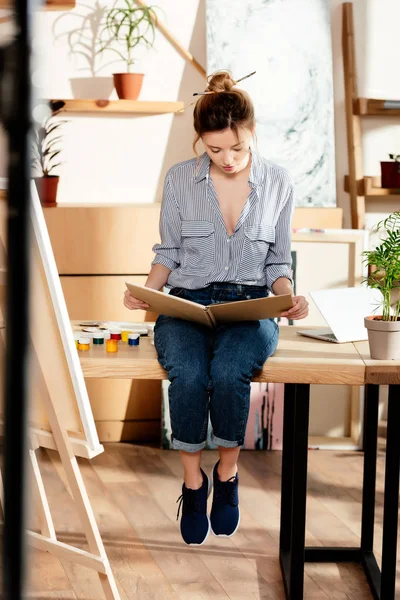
(212, 314)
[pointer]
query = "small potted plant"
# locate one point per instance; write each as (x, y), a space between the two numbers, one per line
(45, 150)
(390, 171)
(130, 25)
(82, 28)
(384, 275)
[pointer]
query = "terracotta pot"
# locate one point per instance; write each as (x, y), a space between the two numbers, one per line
(390, 174)
(47, 189)
(383, 338)
(128, 85)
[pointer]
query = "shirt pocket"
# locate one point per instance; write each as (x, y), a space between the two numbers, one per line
(256, 244)
(197, 247)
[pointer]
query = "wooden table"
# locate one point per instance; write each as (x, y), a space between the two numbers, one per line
(299, 362)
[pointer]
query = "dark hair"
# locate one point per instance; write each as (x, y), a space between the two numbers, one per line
(225, 108)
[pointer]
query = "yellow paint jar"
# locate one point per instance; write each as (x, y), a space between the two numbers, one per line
(111, 345)
(77, 335)
(124, 334)
(83, 343)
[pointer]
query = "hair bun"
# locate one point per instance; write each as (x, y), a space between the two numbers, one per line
(220, 81)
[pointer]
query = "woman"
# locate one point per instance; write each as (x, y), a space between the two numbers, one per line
(225, 231)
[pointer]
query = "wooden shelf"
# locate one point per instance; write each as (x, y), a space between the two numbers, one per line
(49, 4)
(371, 186)
(370, 107)
(119, 106)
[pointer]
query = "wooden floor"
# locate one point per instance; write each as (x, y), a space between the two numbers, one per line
(134, 489)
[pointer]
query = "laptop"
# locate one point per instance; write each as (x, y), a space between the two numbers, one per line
(344, 310)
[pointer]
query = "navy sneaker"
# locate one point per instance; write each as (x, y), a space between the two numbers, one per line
(225, 514)
(195, 524)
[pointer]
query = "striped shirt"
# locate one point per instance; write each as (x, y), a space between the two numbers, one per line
(195, 244)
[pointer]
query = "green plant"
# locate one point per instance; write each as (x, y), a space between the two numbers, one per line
(384, 263)
(45, 143)
(132, 25)
(396, 158)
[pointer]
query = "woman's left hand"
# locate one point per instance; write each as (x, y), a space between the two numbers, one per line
(299, 309)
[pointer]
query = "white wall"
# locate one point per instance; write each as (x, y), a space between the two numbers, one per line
(124, 159)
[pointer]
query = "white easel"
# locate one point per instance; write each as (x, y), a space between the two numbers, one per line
(61, 417)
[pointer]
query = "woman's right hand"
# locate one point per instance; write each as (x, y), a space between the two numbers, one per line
(133, 303)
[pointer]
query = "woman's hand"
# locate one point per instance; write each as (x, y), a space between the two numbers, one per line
(133, 303)
(299, 309)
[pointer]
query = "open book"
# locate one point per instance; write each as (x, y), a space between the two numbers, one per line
(212, 314)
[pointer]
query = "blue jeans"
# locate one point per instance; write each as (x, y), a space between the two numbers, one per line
(210, 370)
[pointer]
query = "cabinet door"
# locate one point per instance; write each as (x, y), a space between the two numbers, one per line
(100, 298)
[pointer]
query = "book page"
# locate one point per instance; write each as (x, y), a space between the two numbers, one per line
(251, 310)
(171, 306)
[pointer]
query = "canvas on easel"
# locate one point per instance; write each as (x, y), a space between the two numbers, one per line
(60, 415)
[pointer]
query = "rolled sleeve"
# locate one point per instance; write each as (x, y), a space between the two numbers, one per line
(278, 262)
(167, 253)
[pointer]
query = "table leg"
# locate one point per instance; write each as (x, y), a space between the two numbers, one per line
(369, 476)
(391, 500)
(287, 467)
(368, 559)
(294, 488)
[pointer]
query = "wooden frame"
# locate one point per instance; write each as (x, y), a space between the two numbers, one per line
(358, 186)
(62, 401)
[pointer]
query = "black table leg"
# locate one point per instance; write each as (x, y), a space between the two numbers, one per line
(391, 501)
(368, 560)
(294, 488)
(292, 551)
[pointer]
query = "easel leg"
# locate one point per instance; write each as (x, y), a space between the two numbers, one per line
(83, 506)
(45, 519)
(96, 558)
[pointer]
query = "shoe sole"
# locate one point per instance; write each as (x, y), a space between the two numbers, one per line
(224, 535)
(210, 485)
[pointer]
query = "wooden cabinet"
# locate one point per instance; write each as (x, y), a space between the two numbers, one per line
(97, 248)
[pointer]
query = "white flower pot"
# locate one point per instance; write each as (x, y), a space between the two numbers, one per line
(384, 338)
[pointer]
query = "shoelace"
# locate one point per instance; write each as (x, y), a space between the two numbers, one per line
(191, 501)
(225, 491)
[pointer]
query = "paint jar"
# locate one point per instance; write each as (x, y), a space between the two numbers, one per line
(133, 339)
(98, 338)
(125, 333)
(83, 343)
(112, 345)
(150, 329)
(115, 334)
(77, 335)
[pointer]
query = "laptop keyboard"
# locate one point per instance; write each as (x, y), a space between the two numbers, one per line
(331, 336)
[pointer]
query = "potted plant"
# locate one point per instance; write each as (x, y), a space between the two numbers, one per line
(82, 29)
(45, 150)
(390, 171)
(384, 275)
(131, 26)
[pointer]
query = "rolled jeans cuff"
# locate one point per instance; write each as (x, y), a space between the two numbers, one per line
(226, 443)
(177, 445)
